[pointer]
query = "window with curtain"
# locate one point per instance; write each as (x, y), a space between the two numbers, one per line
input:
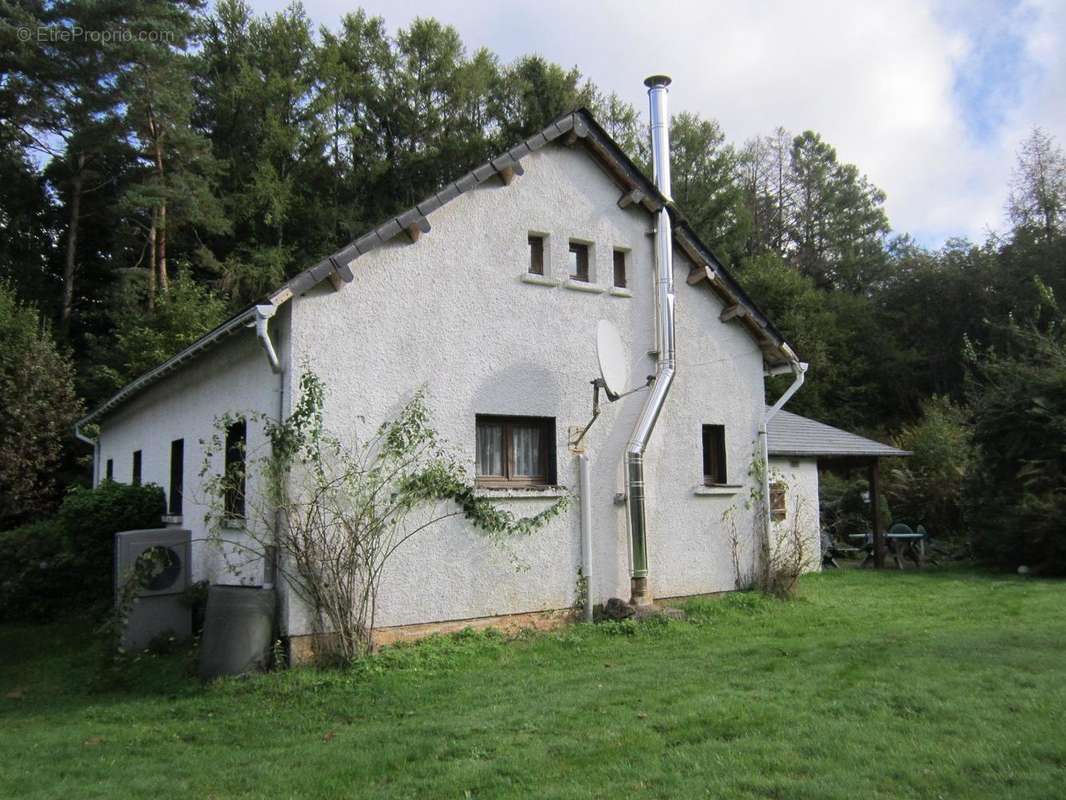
(515, 451)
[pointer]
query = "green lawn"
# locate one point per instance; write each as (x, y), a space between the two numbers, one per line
(938, 685)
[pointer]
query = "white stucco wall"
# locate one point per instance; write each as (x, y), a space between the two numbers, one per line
(232, 377)
(452, 313)
(800, 477)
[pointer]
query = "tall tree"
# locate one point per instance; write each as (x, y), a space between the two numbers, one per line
(838, 226)
(764, 173)
(65, 103)
(173, 188)
(1038, 186)
(703, 169)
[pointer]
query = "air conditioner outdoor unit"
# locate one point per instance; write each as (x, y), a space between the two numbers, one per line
(159, 608)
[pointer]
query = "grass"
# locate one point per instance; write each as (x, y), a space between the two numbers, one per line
(873, 685)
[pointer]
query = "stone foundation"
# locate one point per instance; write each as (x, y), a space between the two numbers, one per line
(302, 649)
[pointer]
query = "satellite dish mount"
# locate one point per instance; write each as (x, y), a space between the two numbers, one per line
(614, 374)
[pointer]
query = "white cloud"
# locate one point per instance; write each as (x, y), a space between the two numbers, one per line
(877, 80)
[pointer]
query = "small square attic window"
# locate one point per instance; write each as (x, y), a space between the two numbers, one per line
(579, 261)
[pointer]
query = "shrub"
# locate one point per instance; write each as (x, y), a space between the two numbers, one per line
(67, 562)
(90, 518)
(1015, 498)
(39, 406)
(926, 488)
(38, 577)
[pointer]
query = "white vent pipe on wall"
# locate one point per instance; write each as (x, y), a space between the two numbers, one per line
(664, 336)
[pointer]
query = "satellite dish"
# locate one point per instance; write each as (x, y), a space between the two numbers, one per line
(611, 353)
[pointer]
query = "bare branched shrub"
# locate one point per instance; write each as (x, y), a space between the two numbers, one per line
(779, 556)
(787, 555)
(335, 513)
(743, 578)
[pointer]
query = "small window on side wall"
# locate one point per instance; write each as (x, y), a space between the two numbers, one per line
(516, 452)
(620, 268)
(778, 494)
(109, 473)
(536, 254)
(714, 466)
(136, 467)
(236, 445)
(579, 262)
(177, 476)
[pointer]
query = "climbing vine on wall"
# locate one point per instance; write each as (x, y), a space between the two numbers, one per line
(332, 513)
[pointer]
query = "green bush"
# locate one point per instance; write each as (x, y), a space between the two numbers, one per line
(90, 518)
(926, 489)
(1015, 498)
(66, 563)
(39, 406)
(38, 576)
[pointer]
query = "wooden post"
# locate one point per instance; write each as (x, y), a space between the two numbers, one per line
(875, 502)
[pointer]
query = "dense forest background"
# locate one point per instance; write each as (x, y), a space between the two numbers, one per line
(150, 186)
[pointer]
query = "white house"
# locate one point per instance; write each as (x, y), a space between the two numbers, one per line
(488, 294)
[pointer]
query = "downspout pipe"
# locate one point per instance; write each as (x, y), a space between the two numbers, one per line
(799, 372)
(665, 361)
(263, 313)
(95, 444)
(584, 487)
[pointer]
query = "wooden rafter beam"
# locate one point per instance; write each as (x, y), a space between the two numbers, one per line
(630, 198)
(735, 311)
(697, 274)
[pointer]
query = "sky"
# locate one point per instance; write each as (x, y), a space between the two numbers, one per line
(930, 98)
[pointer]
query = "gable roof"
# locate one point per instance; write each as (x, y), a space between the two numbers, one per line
(790, 434)
(573, 127)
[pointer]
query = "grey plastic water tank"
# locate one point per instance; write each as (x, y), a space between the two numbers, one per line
(238, 630)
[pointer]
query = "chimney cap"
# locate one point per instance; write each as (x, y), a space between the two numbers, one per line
(653, 81)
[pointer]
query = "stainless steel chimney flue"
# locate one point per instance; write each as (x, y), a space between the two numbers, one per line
(664, 336)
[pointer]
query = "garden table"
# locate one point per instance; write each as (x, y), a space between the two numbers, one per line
(910, 544)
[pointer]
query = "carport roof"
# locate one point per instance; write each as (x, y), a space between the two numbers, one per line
(790, 434)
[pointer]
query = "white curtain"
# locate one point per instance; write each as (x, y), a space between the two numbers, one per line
(527, 451)
(489, 449)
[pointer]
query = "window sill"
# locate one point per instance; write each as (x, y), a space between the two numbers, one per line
(581, 286)
(171, 519)
(233, 524)
(518, 493)
(619, 291)
(538, 280)
(717, 489)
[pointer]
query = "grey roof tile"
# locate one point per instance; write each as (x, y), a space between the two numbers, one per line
(520, 151)
(388, 230)
(536, 141)
(448, 193)
(466, 183)
(484, 172)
